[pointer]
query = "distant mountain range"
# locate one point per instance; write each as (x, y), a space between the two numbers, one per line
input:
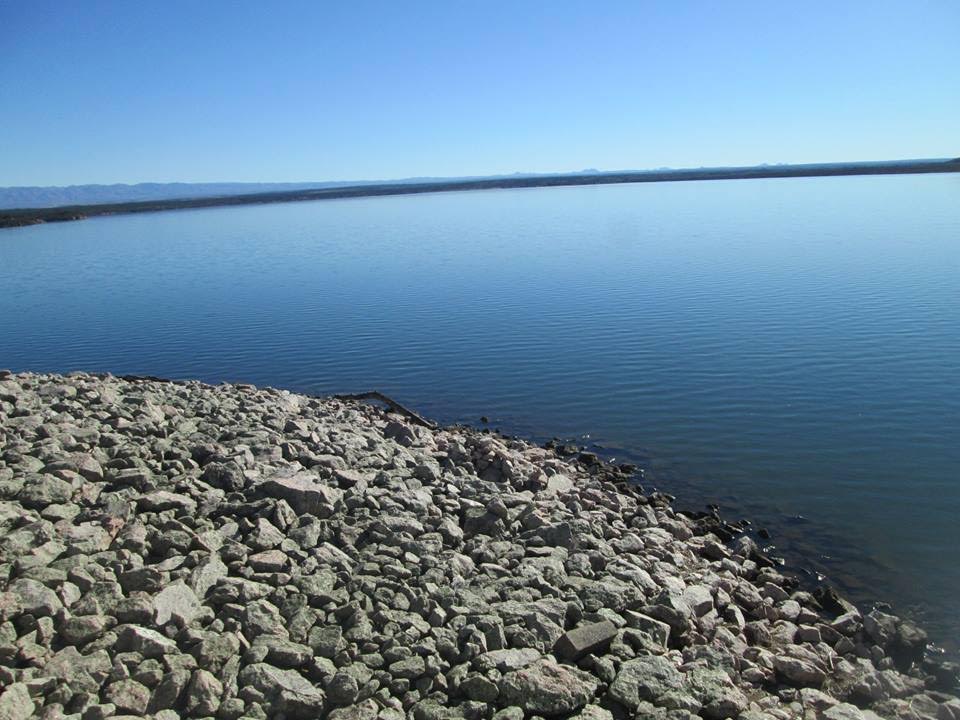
(77, 195)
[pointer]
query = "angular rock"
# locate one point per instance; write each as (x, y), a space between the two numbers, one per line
(798, 672)
(644, 678)
(16, 703)
(583, 640)
(286, 690)
(176, 603)
(305, 495)
(35, 598)
(547, 688)
(203, 694)
(147, 642)
(129, 696)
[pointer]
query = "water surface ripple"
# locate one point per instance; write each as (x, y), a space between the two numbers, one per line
(787, 348)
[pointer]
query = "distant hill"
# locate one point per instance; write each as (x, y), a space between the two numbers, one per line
(29, 206)
(82, 195)
(52, 196)
(44, 197)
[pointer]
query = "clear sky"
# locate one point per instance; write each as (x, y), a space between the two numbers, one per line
(205, 90)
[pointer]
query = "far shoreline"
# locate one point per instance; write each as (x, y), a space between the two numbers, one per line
(33, 216)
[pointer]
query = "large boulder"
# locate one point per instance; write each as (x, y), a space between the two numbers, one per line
(305, 495)
(287, 691)
(644, 678)
(547, 688)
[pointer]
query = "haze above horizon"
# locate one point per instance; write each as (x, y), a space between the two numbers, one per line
(114, 92)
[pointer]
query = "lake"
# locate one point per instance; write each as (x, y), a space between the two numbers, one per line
(788, 349)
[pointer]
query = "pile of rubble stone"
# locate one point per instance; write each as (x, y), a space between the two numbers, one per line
(183, 550)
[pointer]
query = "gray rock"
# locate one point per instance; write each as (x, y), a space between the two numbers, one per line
(215, 649)
(507, 660)
(176, 603)
(644, 678)
(264, 535)
(410, 572)
(798, 672)
(326, 641)
(170, 691)
(343, 689)
(479, 688)
(586, 639)
(286, 690)
(269, 561)
(847, 624)
(16, 703)
(699, 599)
(593, 712)
(366, 710)
(206, 574)
(164, 500)
(79, 630)
(305, 495)
(203, 694)
(128, 695)
(546, 688)
(45, 490)
(34, 598)
(411, 668)
(262, 617)
(717, 694)
(225, 476)
(147, 642)
(843, 711)
(284, 653)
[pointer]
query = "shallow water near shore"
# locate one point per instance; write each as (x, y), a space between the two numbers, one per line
(788, 349)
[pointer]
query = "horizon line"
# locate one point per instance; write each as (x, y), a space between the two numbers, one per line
(518, 173)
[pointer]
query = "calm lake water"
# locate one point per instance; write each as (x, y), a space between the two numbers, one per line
(789, 349)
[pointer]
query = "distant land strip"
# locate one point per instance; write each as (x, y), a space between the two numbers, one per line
(32, 216)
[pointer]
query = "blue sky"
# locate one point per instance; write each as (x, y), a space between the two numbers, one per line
(103, 92)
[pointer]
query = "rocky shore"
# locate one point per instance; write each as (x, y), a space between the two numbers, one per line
(182, 550)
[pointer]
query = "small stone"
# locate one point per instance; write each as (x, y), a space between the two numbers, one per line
(262, 617)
